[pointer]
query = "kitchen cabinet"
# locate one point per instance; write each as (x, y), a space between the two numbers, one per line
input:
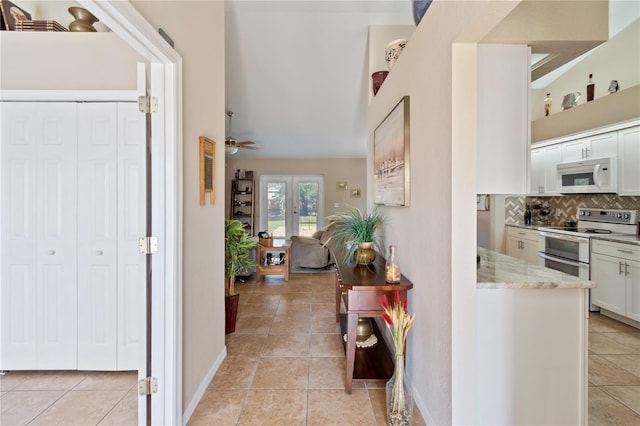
(597, 146)
(544, 175)
(522, 243)
(629, 161)
(242, 202)
(615, 268)
(503, 118)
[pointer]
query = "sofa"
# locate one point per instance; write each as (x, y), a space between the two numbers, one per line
(311, 252)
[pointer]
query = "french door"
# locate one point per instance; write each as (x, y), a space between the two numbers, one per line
(291, 204)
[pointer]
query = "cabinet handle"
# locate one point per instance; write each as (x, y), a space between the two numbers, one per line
(51, 252)
(99, 253)
(626, 268)
(625, 251)
(619, 268)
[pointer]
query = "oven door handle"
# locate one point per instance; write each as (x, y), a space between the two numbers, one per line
(562, 237)
(560, 260)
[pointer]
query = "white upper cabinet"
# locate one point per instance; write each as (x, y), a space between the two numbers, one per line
(544, 176)
(503, 119)
(629, 161)
(597, 146)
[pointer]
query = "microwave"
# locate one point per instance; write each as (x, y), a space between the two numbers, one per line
(594, 175)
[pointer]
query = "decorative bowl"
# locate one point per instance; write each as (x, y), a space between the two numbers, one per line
(393, 51)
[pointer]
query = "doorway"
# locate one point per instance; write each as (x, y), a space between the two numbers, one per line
(291, 204)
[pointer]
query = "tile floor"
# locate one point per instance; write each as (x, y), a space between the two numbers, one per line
(285, 365)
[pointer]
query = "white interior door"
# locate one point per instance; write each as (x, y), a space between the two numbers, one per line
(291, 204)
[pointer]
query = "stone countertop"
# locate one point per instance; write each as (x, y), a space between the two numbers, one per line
(625, 239)
(505, 272)
(523, 226)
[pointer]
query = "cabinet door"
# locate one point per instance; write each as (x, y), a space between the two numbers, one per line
(552, 157)
(131, 226)
(604, 145)
(610, 290)
(574, 150)
(633, 289)
(530, 251)
(628, 161)
(513, 247)
(97, 236)
(537, 170)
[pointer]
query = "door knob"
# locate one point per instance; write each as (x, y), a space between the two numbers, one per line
(51, 252)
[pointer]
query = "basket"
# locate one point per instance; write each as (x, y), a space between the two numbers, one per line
(266, 242)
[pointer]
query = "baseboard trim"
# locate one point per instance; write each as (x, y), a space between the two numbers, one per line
(197, 397)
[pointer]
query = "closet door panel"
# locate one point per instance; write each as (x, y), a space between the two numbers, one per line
(131, 226)
(57, 234)
(18, 283)
(97, 236)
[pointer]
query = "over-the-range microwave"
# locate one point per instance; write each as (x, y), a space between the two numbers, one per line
(594, 175)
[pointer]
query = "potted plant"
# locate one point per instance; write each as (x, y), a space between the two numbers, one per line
(237, 257)
(357, 234)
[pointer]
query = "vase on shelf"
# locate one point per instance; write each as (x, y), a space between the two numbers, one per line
(365, 254)
(393, 51)
(84, 20)
(399, 396)
(419, 9)
(392, 267)
(377, 80)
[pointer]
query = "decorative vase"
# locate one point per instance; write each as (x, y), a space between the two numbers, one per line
(399, 396)
(230, 312)
(377, 80)
(393, 51)
(419, 9)
(84, 20)
(392, 267)
(364, 329)
(364, 254)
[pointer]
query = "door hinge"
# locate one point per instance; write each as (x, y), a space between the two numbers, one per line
(147, 104)
(148, 245)
(147, 386)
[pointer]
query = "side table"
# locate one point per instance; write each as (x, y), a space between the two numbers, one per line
(278, 269)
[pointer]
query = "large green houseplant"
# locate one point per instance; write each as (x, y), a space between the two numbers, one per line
(357, 234)
(237, 257)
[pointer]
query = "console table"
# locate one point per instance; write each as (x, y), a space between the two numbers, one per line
(358, 289)
(279, 269)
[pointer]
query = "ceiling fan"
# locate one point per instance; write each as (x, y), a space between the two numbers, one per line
(231, 145)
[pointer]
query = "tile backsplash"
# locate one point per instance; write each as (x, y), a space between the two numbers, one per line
(564, 208)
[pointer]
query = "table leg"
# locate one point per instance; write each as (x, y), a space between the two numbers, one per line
(352, 323)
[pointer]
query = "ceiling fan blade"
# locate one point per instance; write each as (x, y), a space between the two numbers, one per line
(248, 147)
(246, 143)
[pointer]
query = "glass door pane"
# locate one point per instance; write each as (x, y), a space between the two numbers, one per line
(277, 208)
(307, 216)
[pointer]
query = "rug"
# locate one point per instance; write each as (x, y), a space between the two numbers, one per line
(302, 270)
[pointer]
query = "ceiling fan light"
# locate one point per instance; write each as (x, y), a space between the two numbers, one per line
(230, 149)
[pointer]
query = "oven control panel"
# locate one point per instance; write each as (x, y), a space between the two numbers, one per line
(624, 217)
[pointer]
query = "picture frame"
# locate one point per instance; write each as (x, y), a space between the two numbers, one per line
(355, 193)
(341, 185)
(207, 170)
(10, 14)
(391, 160)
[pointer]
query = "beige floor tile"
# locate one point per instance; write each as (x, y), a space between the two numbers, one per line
(282, 373)
(248, 344)
(266, 309)
(603, 344)
(326, 325)
(329, 345)
(603, 372)
(263, 297)
(287, 308)
(284, 345)
(219, 407)
(602, 323)
(21, 407)
(80, 408)
(125, 413)
(274, 407)
(291, 324)
(335, 407)
(319, 310)
(628, 395)
(52, 380)
(113, 380)
(11, 379)
(327, 373)
(605, 410)
(236, 372)
(293, 298)
(632, 340)
(253, 325)
(631, 363)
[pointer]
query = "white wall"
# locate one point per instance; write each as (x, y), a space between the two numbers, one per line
(197, 28)
(436, 234)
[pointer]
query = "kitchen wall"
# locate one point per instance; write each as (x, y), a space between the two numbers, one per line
(350, 170)
(564, 208)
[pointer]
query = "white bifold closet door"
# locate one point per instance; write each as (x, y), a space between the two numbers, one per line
(38, 230)
(111, 218)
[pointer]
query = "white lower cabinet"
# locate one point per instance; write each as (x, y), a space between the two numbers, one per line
(522, 243)
(615, 268)
(73, 200)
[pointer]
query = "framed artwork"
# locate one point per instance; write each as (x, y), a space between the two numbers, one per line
(207, 170)
(391, 157)
(355, 193)
(10, 14)
(341, 185)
